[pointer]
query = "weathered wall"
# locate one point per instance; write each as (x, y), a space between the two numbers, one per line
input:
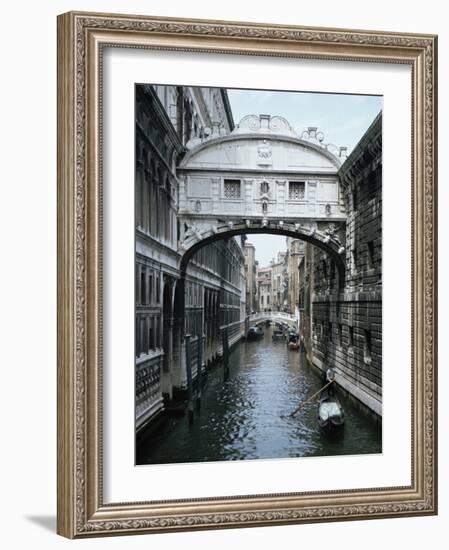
(344, 329)
(212, 289)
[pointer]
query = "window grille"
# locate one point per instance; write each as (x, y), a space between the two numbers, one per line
(296, 190)
(231, 189)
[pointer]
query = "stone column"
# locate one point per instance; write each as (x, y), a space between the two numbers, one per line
(216, 184)
(167, 386)
(138, 278)
(280, 197)
(182, 203)
(312, 196)
(248, 196)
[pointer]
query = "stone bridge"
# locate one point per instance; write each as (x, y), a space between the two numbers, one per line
(262, 178)
(274, 317)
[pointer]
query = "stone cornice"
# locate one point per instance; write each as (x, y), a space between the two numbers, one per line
(154, 104)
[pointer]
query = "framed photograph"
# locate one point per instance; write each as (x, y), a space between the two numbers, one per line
(246, 274)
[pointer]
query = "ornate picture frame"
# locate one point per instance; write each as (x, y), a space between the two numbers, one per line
(82, 38)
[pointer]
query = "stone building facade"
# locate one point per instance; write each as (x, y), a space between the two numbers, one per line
(342, 327)
(169, 304)
(279, 282)
(272, 284)
(264, 294)
(295, 252)
(251, 266)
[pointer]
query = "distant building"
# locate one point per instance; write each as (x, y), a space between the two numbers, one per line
(251, 264)
(279, 282)
(295, 253)
(272, 284)
(264, 292)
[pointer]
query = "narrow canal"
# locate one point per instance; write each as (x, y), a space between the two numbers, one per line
(244, 416)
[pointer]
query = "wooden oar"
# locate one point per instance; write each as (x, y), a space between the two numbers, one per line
(310, 398)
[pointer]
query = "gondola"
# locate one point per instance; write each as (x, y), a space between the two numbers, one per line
(278, 335)
(254, 333)
(331, 416)
(293, 340)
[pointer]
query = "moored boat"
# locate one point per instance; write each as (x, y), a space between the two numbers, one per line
(254, 333)
(293, 340)
(277, 335)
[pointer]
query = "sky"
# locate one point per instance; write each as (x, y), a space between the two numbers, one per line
(267, 246)
(343, 118)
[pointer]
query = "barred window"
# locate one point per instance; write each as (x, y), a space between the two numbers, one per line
(231, 189)
(296, 190)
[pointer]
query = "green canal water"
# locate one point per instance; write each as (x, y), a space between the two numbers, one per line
(242, 417)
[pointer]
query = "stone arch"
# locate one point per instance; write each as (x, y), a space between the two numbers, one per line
(323, 236)
(197, 237)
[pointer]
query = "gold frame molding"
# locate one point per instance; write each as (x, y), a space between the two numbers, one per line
(81, 37)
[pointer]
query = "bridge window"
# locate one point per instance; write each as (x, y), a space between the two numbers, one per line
(296, 190)
(232, 189)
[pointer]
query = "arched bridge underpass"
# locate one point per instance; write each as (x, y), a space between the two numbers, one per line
(275, 317)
